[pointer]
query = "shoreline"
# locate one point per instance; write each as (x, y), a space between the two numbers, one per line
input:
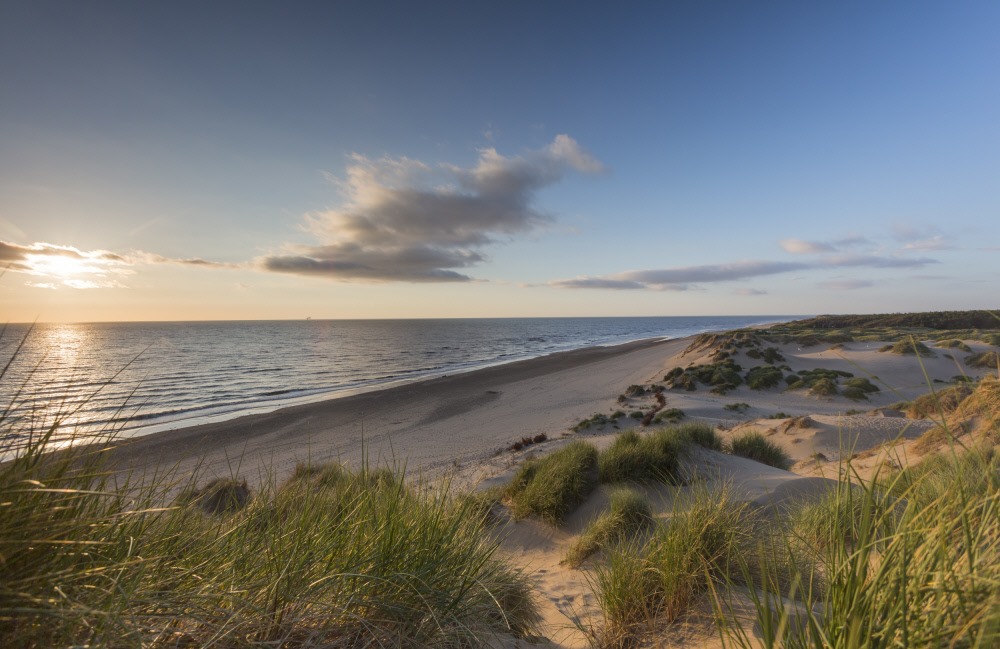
(461, 415)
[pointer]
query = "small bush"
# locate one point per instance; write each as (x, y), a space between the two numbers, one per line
(635, 391)
(763, 377)
(629, 513)
(824, 388)
(552, 486)
(670, 415)
(862, 384)
(637, 414)
(772, 356)
(755, 446)
(739, 406)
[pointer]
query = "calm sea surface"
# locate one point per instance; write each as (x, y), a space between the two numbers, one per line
(145, 377)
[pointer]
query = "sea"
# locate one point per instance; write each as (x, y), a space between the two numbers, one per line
(142, 377)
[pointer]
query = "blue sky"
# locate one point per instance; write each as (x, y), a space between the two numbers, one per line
(368, 159)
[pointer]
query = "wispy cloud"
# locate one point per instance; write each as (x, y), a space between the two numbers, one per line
(404, 220)
(846, 284)
(921, 238)
(683, 278)
(800, 247)
(749, 291)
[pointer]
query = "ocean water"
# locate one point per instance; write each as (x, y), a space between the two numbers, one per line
(147, 377)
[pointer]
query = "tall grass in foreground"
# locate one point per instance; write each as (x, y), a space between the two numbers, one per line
(331, 558)
(912, 560)
(643, 585)
(629, 513)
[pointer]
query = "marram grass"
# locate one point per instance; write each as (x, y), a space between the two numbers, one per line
(331, 558)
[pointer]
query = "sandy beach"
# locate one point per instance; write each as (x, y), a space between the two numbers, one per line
(428, 425)
(462, 426)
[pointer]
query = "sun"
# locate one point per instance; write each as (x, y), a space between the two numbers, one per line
(61, 267)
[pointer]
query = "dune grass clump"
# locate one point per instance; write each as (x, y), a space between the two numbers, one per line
(643, 585)
(911, 559)
(985, 360)
(629, 514)
(909, 346)
(940, 403)
(598, 419)
(953, 343)
(654, 457)
(219, 496)
(756, 447)
(552, 486)
(703, 435)
(330, 558)
(739, 406)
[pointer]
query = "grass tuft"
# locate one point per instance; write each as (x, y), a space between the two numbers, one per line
(552, 486)
(629, 514)
(654, 457)
(755, 446)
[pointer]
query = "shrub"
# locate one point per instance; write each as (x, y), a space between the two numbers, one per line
(669, 415)
(637, 414)
(862, 384)
(739, 406)
(824, 387)
(772, 356)
(552, 486)
(635, 391)
(764, 376)
(755, 446)
(629, 513)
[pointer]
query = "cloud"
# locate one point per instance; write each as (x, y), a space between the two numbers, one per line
(749, 291)
(58, 266)
(846, 284)
(800, 247)
(914, 238)
(681, 278)
(404, 220)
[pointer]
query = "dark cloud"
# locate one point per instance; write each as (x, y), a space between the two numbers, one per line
(404, 220)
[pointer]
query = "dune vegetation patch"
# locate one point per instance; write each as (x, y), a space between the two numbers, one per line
(554, 485)
(627, 515)
(756, 447)
(331, 557)
(986, 360)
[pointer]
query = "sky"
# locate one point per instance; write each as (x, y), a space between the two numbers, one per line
(242, 160)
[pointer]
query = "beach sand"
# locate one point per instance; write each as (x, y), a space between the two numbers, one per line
(461, 426)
